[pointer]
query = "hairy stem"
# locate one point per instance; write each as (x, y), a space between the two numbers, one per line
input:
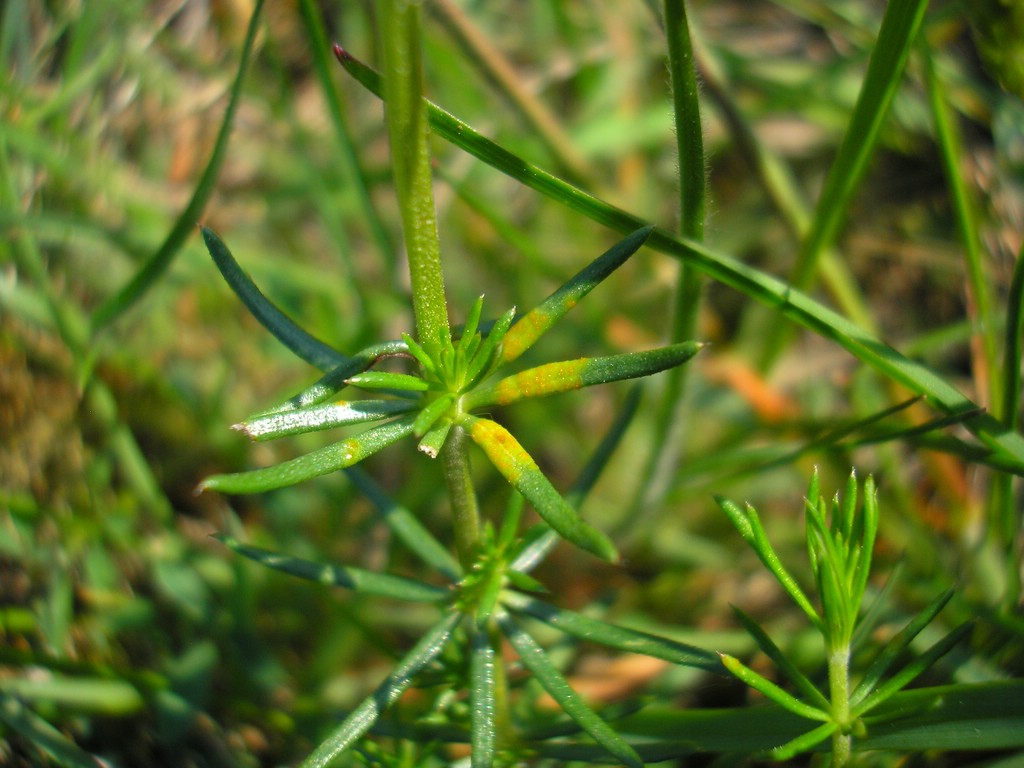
(410, 161)
(839, 692)
(465, 511)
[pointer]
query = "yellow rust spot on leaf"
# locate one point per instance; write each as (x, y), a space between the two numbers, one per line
(503, 450)
(540, 381)
(524, 333)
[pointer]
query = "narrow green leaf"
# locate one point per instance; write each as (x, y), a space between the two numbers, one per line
(318, 417)
(612, 635)
(434, 440)
(1006, 446)
(388, 380)
(1013, 346)
(105, 697)
(406, 526)
(772, 691)
(889, 55)
(749, 526)
(158, 263)
(306, 347)
(469, 329)
(483, 728)
(906, 675)
(569, 375)
(431, 413)
(420, 354)
(487, 353)
(519, 468)
(320, 462)
(773, 652)
(510, 521)
(337, 378)
(896, 646)
(356, 579)
(966, 215)
(868, 533)
(36, 731)
(804, 742)
(349, 153)
(535, 323)
(366, 714)
(536, 660)
(537, 550)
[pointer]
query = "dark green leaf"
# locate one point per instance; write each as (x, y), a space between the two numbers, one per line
(158, 263)
(356, 579)
(536, 660)
(366, 714)
(611, 635)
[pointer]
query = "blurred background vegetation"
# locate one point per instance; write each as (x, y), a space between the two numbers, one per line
(124, 625)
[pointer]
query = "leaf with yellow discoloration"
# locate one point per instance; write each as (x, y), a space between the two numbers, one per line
(512, 461)
(537, 321)
(553, 378)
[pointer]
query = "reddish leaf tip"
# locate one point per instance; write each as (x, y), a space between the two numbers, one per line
(341, 54)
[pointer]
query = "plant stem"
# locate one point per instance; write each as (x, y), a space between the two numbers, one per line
(671, 426)
(410, 161)
(465, 511)
(839, 693)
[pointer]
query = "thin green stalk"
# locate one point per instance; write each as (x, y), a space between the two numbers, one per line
(410, 162)
(899, 29)
(1005, 517)
(349, 153)
(965, 213)
(670, 436)
(839, 692)
(459, 481)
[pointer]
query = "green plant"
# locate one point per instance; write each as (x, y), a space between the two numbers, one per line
(127, 633)
(840, 544)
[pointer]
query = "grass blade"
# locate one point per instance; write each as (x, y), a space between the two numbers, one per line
(356, 579)
(611, 635)
(1007, 444)
(965, 211)
(348, 153)
(366, 714)
(312, 350)
(158, 263)
(519, 468)
(332, 457)
(536, 660)
(900, 25)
